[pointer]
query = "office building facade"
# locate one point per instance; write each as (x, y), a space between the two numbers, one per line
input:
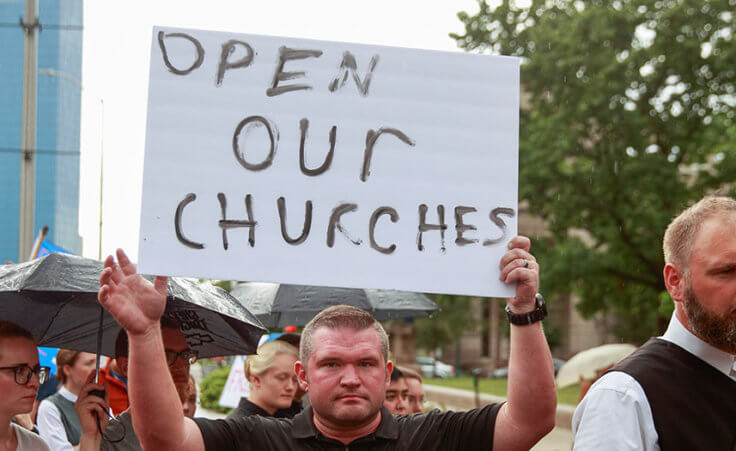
(59, 90)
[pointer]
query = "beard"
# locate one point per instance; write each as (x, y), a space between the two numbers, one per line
(719, 331)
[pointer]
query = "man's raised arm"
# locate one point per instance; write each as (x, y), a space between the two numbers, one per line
(137, 305)
(529, 413)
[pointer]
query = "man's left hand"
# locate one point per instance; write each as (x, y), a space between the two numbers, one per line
(520, 267)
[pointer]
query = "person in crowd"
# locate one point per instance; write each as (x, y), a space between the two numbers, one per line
(57, 421)
(397, 394)
(48, 388)
(271, 380)
(189, 403)
(20, 377)
(415, 398)
(344, 368)
(90, 407)
(112, 377)
(678, 391)
(300, 397)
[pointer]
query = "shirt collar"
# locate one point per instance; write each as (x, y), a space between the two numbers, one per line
(303, 425)
(722, 361)
(67, 394)
(251, 408)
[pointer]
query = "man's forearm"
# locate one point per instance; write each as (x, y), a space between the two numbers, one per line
(90, 443)
(156, 411)
(532, 399)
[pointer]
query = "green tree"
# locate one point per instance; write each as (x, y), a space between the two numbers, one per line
(627, 118)
(445, 327)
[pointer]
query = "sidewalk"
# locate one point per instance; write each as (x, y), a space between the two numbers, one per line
(560, 439)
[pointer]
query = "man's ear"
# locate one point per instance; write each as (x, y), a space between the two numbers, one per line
(301, 375)
(674, 280)
(122, 363)
(389, 370)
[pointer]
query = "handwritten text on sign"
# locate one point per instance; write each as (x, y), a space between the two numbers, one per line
(326, 163)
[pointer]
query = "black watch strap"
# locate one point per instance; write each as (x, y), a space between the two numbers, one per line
(523, 319)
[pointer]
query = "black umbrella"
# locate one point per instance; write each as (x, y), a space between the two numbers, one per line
(55, 297)
(280, 305)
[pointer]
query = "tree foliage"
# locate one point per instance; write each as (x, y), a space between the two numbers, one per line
(627, 118)
(445, 327)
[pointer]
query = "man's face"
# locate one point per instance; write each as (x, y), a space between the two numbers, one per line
(174, 341)
(396, 397)
(346, 375)
(17, 398)
(189, 403)
(415, 399)
(710, 287)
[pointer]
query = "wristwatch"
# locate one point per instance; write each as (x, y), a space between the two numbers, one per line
(523, 319)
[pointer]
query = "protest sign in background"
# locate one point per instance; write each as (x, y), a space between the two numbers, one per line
(327, 163)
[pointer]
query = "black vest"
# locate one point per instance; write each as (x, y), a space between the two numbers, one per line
(693, 404)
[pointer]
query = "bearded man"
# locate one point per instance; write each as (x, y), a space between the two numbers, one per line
(678, 391)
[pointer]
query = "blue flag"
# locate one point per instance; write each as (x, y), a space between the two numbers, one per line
(48, 247)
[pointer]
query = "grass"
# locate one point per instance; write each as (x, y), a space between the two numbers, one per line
(567, 395)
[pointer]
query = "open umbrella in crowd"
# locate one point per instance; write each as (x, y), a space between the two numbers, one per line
(280, 305)
(55, 297)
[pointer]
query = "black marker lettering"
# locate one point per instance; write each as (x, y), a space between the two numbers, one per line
(370, 141)
(197, 46)
(372, 228)
(461, 227)
(337, 212)
(307, 222)
(273, 136)
(499, 222)
(226, 224)
(303, 127)
(348, 65)
(424, 227)
(189, 198)
(228, 49)
(286, 54)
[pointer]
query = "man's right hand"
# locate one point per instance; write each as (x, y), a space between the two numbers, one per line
(134, 302)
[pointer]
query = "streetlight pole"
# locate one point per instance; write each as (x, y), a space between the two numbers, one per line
(28, 140)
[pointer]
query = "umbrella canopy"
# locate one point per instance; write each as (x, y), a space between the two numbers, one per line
(280, 305)
(585, 363)
(55, 297)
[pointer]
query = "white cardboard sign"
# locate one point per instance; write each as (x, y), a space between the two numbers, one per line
(327, 163)
(236, 386)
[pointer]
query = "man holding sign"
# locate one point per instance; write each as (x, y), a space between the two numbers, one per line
(345, 370)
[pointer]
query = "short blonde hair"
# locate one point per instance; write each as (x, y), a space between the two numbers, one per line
(259, 363)
(680, 234)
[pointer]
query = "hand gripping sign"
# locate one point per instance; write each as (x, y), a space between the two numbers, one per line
(328, 163)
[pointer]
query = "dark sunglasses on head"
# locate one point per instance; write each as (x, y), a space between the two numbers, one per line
(23, 373)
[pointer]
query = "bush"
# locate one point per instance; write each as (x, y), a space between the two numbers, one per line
(211, 388)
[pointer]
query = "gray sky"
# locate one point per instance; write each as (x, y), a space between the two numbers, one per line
(117, 39)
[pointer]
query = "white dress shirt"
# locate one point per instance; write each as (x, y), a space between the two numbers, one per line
(615, 413)
(50, 427)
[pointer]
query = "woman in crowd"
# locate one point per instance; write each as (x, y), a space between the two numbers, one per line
(57, 420)
(271, 379)
(20, 377)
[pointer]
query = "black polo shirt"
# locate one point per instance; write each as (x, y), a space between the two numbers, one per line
(246, 408)
(436, 430)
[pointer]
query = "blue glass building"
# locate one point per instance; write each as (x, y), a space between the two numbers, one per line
(58, 111)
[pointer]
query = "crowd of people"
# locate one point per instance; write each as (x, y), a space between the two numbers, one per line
(335, 387)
